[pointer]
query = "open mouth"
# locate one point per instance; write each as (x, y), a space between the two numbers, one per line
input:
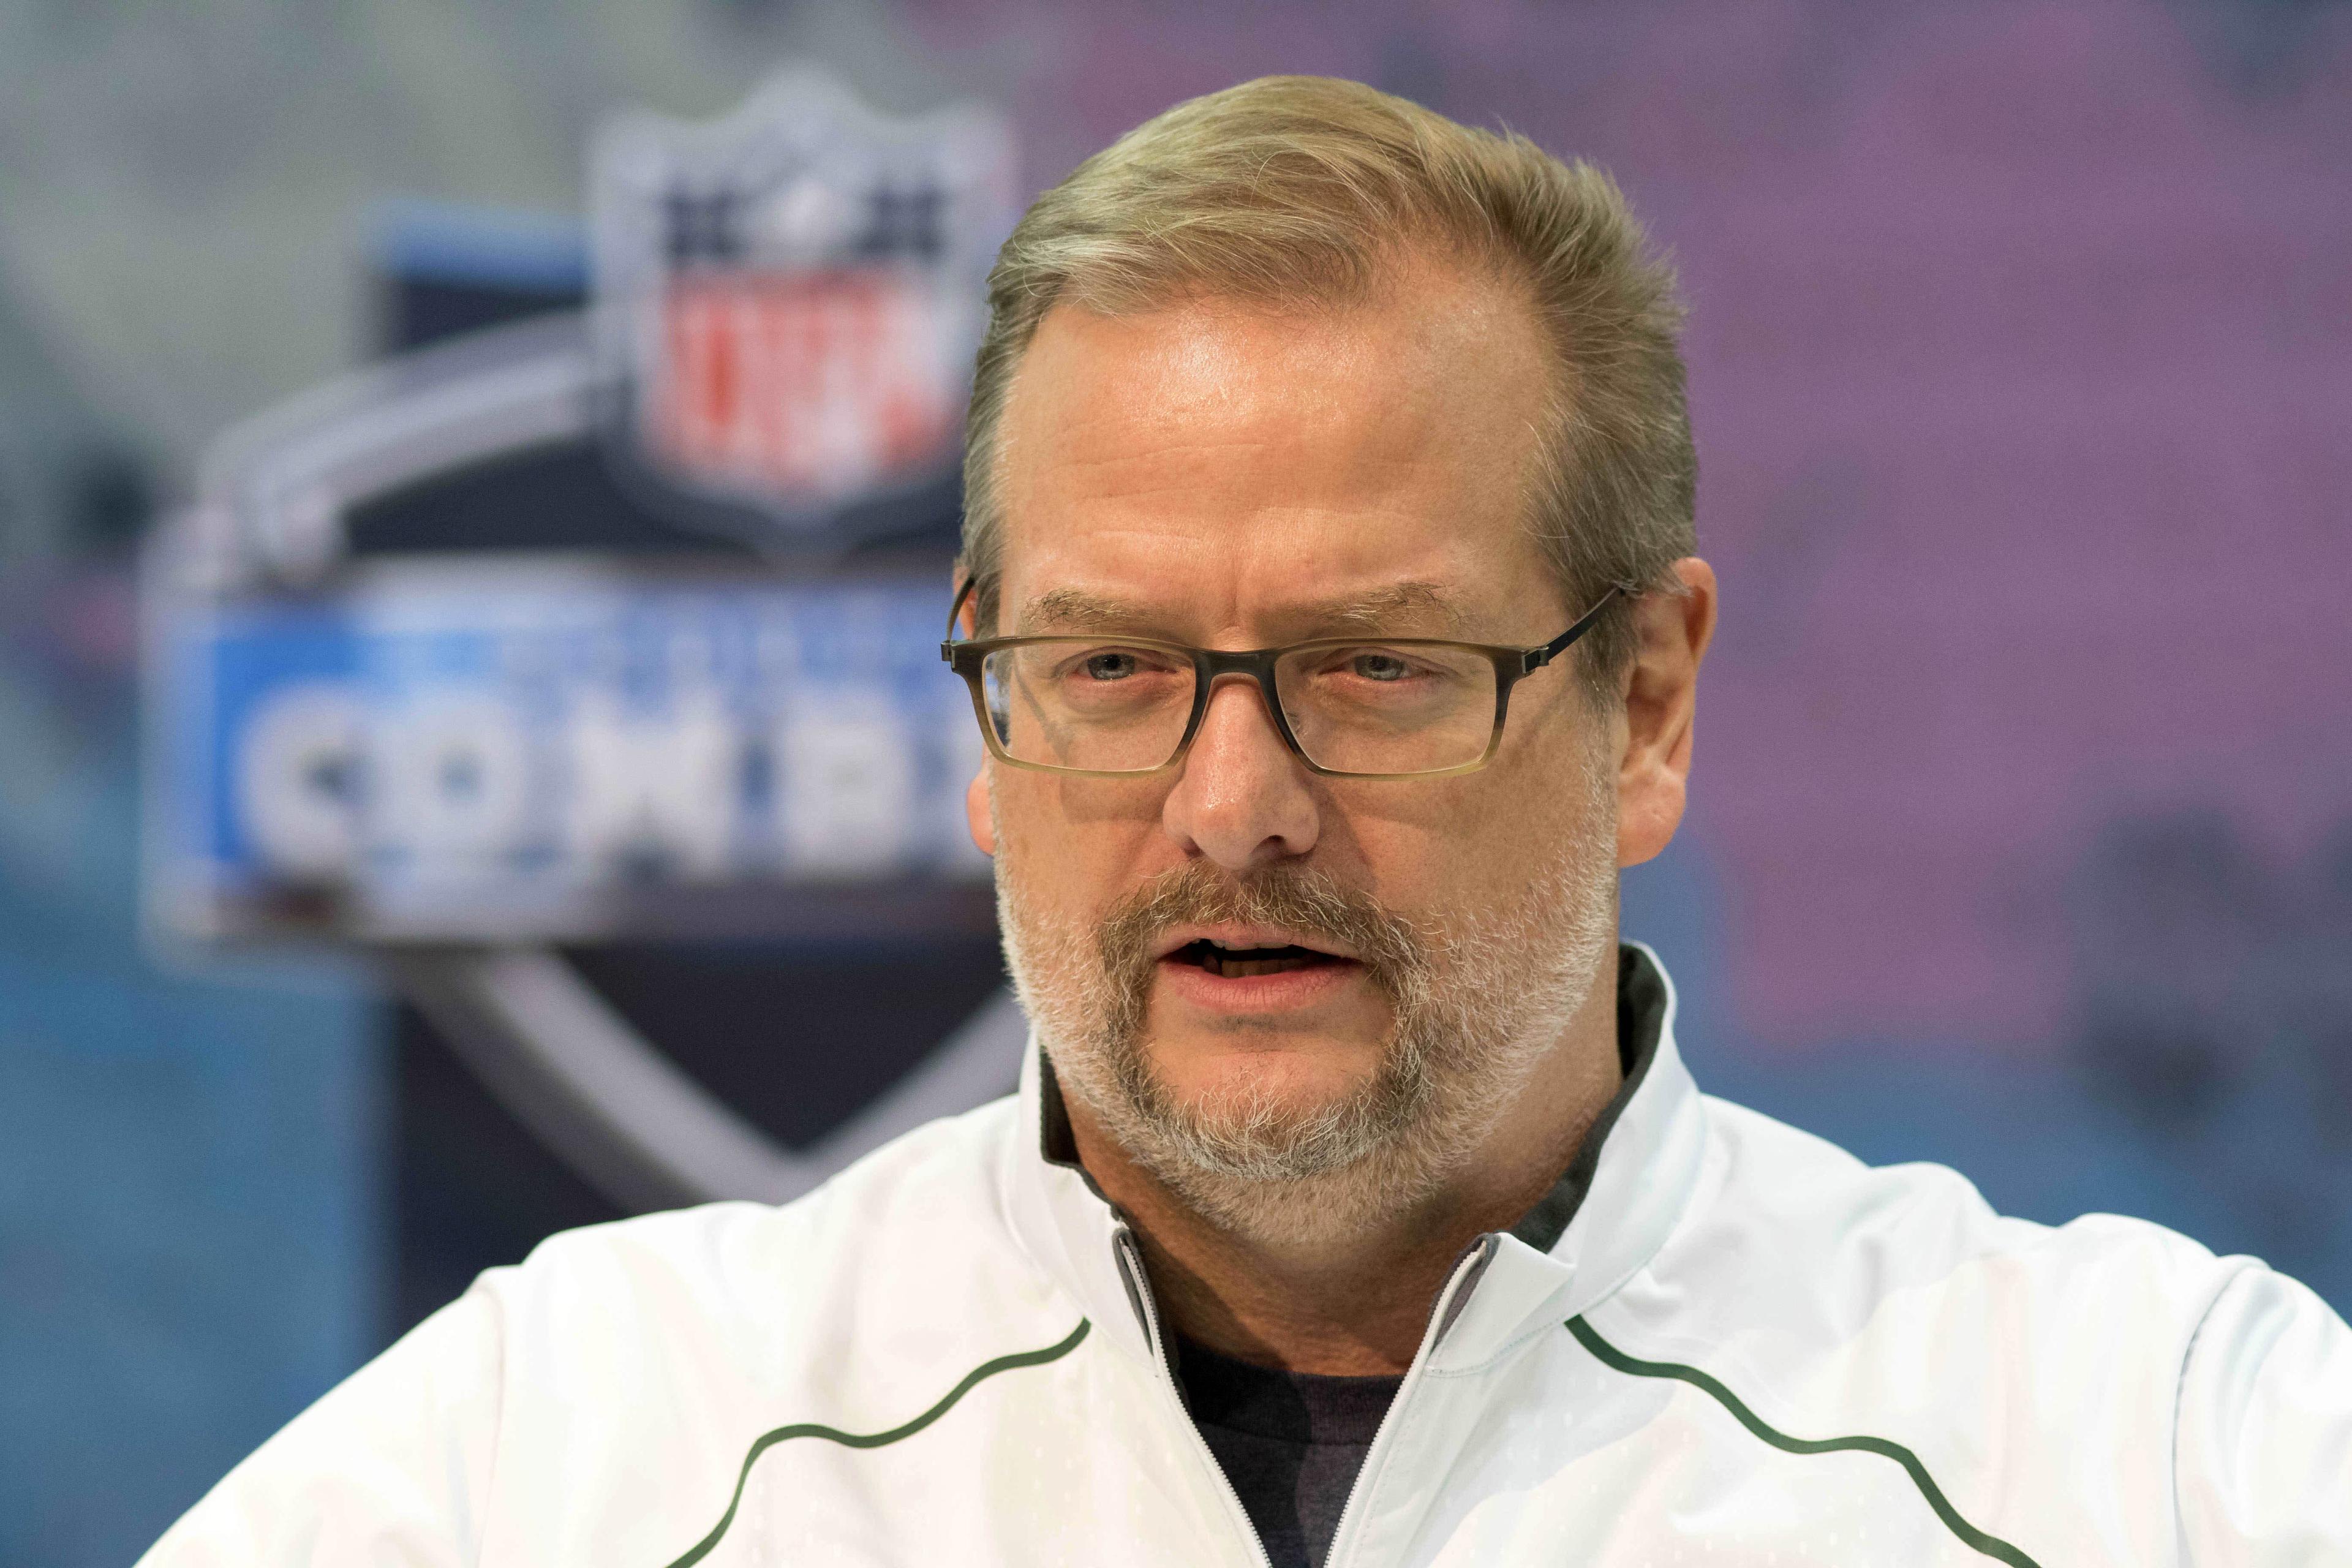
(1241, 963)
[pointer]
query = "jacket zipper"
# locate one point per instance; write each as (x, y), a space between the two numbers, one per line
(1465, 1273)
(1138, 1286)
(1460, 1283)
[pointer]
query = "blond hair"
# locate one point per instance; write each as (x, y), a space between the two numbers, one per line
(1302, 189)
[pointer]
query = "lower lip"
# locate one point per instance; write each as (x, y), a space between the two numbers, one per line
(1283, 992)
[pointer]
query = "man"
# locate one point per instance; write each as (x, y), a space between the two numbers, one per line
(1332, 621)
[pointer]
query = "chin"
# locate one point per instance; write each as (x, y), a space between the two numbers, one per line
(1283, 1078)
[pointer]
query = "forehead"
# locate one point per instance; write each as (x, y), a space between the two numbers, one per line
(1236, 463)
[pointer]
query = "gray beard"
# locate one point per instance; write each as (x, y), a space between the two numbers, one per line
(1477, 1001)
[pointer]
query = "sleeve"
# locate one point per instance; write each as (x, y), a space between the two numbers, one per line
(392, 1467)
(2262, 1452)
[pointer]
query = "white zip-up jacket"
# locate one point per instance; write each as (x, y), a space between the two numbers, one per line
(1743, 1348)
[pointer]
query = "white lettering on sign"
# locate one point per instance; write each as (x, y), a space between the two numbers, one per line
(503, 769)
(663, 785)
(297, 777)
(455, 779)
(846, 782)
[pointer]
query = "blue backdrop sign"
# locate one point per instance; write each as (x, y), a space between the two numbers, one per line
(439, 748)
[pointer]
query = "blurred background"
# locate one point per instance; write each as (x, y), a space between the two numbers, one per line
(2022, 831)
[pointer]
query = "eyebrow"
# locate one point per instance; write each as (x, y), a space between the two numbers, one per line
(1074, 609)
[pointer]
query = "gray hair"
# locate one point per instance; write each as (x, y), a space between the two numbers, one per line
(1301, 189)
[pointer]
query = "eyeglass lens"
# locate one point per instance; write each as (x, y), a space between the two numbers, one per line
(1360, 709)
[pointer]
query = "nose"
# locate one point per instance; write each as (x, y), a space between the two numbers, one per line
(1243, 799)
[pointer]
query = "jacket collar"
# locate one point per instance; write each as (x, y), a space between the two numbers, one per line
(1060, 1216)
(1607, 1216)
(1612, 1210)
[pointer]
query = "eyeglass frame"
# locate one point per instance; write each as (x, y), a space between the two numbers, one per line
(1512, 665)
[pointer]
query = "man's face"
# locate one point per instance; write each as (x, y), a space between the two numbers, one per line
(1233, 478)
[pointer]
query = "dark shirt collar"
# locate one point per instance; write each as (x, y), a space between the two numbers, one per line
(1641, 1022)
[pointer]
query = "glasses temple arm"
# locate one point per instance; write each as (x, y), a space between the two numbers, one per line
(947, 647)
(1536, 657)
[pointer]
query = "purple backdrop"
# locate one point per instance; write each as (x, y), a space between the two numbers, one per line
(2021, 355)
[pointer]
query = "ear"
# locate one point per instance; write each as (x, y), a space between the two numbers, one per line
(976, 813)
(1661, 695)
(978, 817)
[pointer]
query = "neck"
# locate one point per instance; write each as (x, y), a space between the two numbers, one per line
(1358, 1304)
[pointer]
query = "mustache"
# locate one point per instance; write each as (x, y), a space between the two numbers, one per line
(1300, 899)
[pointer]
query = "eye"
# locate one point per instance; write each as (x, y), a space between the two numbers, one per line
(1109, 664)
(1374, 664)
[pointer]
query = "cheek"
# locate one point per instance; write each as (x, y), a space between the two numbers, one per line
(1424, 850)
(1473, 842)
(1072, 843)
(1559, 784)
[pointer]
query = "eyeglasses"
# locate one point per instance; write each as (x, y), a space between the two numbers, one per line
(1354, 707)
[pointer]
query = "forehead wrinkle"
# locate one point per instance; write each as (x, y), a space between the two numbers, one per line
(1200, 470)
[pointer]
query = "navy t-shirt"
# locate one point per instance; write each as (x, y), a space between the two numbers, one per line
(1291, 1443)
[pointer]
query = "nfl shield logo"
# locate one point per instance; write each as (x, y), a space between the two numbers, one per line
(788, 301)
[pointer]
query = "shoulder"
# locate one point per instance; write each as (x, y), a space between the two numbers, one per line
(762, 1288)
(2052, 1379)
(1792, 1245)
(594, 1400)
(940, 1175)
